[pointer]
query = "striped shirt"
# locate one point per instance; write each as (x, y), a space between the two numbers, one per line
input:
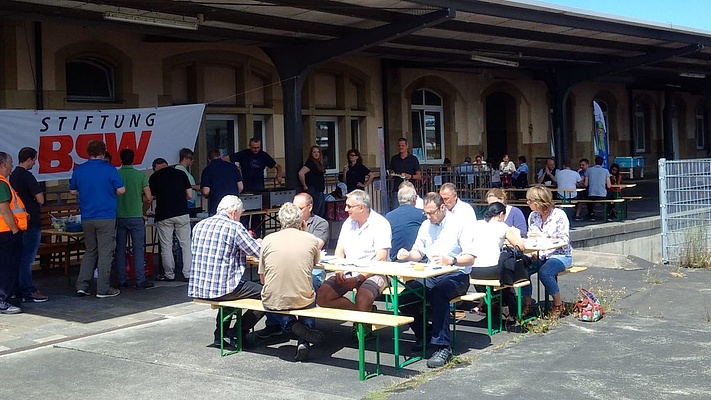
(220, 247)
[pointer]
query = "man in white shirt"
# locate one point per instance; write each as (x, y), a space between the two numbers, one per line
(567, 180)
(365, 235)
(444, 239)
(462, 210)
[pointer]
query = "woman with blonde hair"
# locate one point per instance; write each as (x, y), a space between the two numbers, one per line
(547, 221)
(514, 216)
(313, 179)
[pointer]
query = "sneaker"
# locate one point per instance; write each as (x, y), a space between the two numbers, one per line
(439, 358)
(310, 335)
(269, 331)
(112, 292)
(7, 308)
(35, 297)
(83, 293)
(302, 351)
(578, 218)
(163, 278)
(145, 285)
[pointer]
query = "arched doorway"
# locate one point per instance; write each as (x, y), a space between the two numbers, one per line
(501, 122)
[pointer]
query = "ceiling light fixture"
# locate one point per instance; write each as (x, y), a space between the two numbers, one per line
(692, 75)
(188, 23)
(491, 60)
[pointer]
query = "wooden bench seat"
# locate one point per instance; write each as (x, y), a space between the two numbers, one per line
(571, 270)
(375, 320)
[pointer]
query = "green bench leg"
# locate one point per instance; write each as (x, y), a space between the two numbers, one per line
(363, 375)
(238, 328)
(490, 297)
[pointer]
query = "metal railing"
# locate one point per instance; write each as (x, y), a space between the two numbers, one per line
(685, 209)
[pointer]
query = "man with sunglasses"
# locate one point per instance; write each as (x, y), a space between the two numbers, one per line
(443, 239)
(365, 235)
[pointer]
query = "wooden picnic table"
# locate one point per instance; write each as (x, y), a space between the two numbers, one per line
(398, 273)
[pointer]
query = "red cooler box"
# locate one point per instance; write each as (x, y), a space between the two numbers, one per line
(147, 264)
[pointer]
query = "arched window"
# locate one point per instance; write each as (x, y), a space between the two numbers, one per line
(700, 131)
(90, 80)
(427, 126)
(639, 127)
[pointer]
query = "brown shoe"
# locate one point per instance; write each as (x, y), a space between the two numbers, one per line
(557, 310)
(35, 297)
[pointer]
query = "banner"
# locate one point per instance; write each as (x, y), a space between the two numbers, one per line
(61, 137)
(600, 138)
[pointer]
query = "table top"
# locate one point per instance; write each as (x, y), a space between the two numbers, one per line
(541, 244)
(624, 185)
(404, 269)
(62, 233)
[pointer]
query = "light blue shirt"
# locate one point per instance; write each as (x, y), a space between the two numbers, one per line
(451, 237)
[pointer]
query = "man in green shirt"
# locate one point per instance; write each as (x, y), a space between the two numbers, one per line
(187, 158)
(129, 220)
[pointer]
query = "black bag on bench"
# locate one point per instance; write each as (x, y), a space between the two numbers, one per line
(514, 266)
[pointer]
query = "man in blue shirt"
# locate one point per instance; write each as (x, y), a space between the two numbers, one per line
(97, 183)
(404, 221)
(219, 179)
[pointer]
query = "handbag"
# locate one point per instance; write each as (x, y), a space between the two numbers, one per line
(514, 265)
(589, 308)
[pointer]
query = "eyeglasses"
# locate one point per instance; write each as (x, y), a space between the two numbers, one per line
(430, 213)
(353, 205)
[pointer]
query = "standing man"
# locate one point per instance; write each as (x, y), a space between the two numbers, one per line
(220, 247)
(445, 240)
(598, 183)
(460, 209)
(29, 190)
(252, 162)
(404, 221)
(13, 220)
(129, 220)
(404, 166)
(286, 263)
(186, 159)
(365, 235)
(171, 189)
(97, 183)
(220, 178)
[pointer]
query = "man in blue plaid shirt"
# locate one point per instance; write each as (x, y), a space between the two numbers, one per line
(220, 246)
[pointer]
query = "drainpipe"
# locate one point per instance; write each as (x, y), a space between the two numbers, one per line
(39, 85)
(384, 68)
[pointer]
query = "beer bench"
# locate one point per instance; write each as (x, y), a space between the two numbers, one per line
(230, 308)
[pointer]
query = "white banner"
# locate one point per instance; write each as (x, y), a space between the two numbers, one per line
(61, 137)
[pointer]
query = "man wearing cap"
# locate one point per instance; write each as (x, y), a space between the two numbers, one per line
(171, 189)
(13, 220)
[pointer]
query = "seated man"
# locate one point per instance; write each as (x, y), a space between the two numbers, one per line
(316, 226)
(365, 235)
(220, 247)
(546, 175)
(445, 240)
(462, 210)
(568, 181)
(285, 266)
(404, 221)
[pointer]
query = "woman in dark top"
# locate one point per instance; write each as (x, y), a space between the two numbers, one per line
(312, 179)
(356, 175)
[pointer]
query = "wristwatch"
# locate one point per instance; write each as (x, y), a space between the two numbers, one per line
(454, 261)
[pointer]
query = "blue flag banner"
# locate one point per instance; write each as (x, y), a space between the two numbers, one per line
(600, 135)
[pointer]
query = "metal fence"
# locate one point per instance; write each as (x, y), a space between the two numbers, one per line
(685, 209)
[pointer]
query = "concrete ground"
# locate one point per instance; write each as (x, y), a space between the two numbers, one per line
(655, 342)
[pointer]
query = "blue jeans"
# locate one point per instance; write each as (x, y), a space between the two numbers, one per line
(30, 244)
(319, 202)
(317, 278)
(286, 321)
(137, 229)
(439, 290)
(547, 273)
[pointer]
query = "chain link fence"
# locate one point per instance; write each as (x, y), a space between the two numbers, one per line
(685, 209)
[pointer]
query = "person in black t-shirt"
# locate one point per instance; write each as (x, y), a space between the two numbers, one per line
(403, 166)
(356, 175)
(171, 189)
(252, 162)
(313, 181)
(219, 179)
(31, 195)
